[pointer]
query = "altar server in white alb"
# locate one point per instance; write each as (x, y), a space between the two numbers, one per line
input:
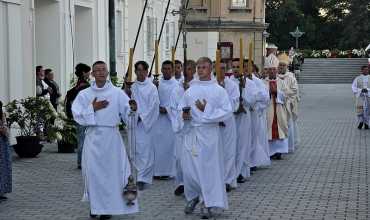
(202, 157)
(176, 95)
(278, 115)
(228, 129)
(164, 136)
(145, 93)
(105, 167)
(361, 89)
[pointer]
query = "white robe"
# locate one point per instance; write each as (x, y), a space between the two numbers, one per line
(164, 136)
(366, 104)
(176, 95)
(243, 130)
(105, 167)
(202, 154)
(146, 96)
(258, 157)
(228, 134)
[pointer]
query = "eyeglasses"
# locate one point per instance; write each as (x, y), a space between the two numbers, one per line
(166, 69)
(100, 71)
(141, 70)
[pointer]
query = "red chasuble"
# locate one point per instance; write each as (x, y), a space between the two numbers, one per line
(274, 128)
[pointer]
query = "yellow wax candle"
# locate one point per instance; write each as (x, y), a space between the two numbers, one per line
(173, 60)
(250, 58)
(241, 57)
(129, 79)
(218, 69)
(156, 57)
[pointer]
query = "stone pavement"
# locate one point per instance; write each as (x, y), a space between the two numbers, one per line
(327, 177)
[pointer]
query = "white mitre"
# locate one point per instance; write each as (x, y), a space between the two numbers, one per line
(271, 61)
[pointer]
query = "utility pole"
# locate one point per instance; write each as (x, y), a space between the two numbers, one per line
(112, 39)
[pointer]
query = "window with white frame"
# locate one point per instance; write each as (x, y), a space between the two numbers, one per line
(119, 33)
(151, 33)
(169, 35)
(240, 3)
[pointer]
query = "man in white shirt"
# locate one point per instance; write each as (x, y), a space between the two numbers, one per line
(361, 89)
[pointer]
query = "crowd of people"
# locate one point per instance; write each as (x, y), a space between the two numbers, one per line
(209, 136)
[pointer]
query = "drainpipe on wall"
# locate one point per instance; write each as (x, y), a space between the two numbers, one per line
(112, 39)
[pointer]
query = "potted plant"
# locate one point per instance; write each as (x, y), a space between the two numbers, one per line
(67, 128)
(349, 54)
(29, 115)
(334, 54)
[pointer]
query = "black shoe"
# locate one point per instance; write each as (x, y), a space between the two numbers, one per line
(179, 190)
(165, 177)
(105, 217)
(272, 157)
(92, 216)
(228, 187)
(366, 126)
(253, 168)
(360, 125)
(278, 156)
(79, 167)
(157, 177)
(240, 179)
(140, 185)
(3, 198)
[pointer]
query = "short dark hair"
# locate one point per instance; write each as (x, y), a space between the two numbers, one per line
(246, 61)
(235, 60)
(364, 66)
(178, 62)
(98, 62)
(143, 63)
(47, 71)
(38, 68)
(166, 62)
(223, 61)
(81, 68)
(1, 110)
(256, 68)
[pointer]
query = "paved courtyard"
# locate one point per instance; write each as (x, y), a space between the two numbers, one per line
(327, 177)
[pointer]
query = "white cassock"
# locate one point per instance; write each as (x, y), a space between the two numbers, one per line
(362, 97)
(176, 95)
(202, 154)
(146, 96)
(258, 156)
(291, 82)
(262, 128)
(243, 129)
(163, 135)
(228, 133)
(105, 167)
(235, 80)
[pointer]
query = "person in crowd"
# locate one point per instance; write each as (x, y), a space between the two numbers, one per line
(278, 115)
(300, 60)
(82, 72)
(55, 95)
(176, 95)
(41, 88)
(145, 93)
(178, 70)
(105, 166)
(201, 155)
(5, 157)
(360, 88)
(164, 136)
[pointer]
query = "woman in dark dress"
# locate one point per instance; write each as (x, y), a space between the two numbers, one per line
(5, 157)
(83, 73)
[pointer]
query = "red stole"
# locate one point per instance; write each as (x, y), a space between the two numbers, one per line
(274, 128)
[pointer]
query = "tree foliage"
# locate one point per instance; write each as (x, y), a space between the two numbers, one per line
(328, 24)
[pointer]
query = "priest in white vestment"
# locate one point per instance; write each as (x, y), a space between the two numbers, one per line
(257, 157)
(360, 88)
(292, 84)
(145, 93)
(164, 136)
(202, 154)
(228, 130)
(176, 95)
(278, 114)
(105, 167)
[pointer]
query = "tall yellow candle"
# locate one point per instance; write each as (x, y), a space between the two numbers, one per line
(218, 69)
(129, 79)
(250, 58)
(241, 57)
(156, 57)
(173, 60)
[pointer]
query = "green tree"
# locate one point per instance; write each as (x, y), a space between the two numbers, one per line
(355, 33)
